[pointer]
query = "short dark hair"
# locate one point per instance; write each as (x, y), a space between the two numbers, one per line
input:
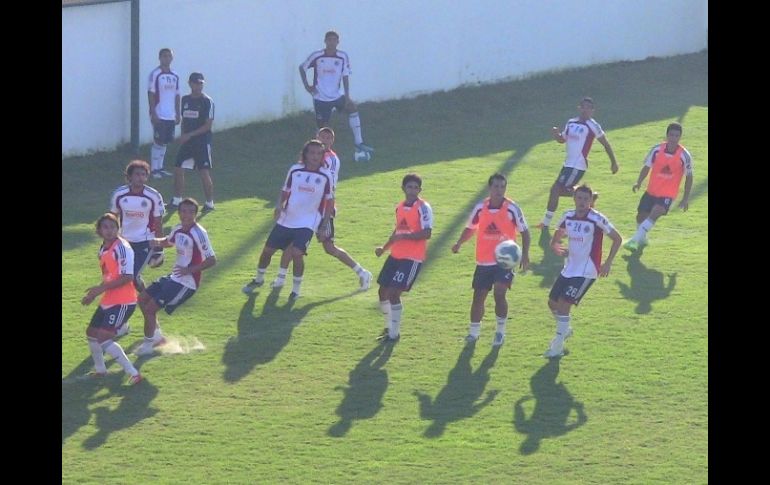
(411, 177)
(326, 129)
(588, 99)
(497, 176)
(165, 49)
(330, 34)
(307, 145)
(134, 164)
(107, 216)
(585, 188)
(674, 126)
(192, 202)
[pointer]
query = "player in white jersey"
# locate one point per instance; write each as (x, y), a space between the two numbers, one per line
(332, 163)
(579, 134)
(585, 228)
(305, 203)
(194, 254)
(330, 68)
(140, 209)
(163, 96)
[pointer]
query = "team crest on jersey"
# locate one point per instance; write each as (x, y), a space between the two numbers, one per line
(307, 179)
(666, 169)
(144, 203)
(403, 225)
(492, 229)
(336, 63)
(185, 242)
(586, 229)
(318, 180)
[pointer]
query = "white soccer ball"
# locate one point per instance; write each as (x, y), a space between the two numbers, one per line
(361, 156)
(508, 254)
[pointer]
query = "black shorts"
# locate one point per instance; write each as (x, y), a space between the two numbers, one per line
(169, 294)
(281, 237)
(485, 277)
(569, 176)
(112, 317)
(142, 254)
(571, 289)
(163, 131)
(648, 201)
(194, 155)
(399, 273)
(323, 109)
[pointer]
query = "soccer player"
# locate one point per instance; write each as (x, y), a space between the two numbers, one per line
(163, 95)
(585, 228)
(140, 209)
(668, 162)
(408, 244)
(578, 134)
(195, 141)
(194, 254)
(494, 219)
(332, 163)
(304, 204)
(118, 302)
(330, 67)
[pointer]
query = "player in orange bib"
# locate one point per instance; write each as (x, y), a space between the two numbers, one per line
(494, 219)
(408, 244)
(116, 259)
(666, 163)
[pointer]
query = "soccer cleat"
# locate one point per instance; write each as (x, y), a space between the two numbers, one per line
(278, 283)
(252, 285)
(156, 174)
(498, 341)
(293, 295)
(386, 338)
(172, 206)
(631, 245)
(364, 148)
(165, 173)
(157, 342)
(144, 349)
(95, 375)
(365, 280)
(554, 350)
(470, 339)
(208, 208)
(134, 380)
(122, 330)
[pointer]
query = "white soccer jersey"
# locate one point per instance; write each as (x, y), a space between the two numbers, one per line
(686, 159)
(165, 87)
(136, 212)
(192, 247)
(332, 164)
(585, 243)
(307, 193)
(579, 136)
(328, 72)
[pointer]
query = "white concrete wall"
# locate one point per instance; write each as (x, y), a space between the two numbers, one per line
(250, 50)
(95, 77)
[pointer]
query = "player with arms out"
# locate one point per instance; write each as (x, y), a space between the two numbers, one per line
(494, 219)
(585, 228)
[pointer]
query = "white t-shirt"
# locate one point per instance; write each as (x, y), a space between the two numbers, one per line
(192, 247)
(585, 243)
(579, 136)
(165, 87)
(328, 72)
(136, 212)
(308, 192)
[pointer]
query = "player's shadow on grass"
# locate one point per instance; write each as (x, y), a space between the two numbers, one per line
(80, 392)
(458, 399)
(366, 386)
(260, 339)
(553, 406)
(551, 264)
(647, 285)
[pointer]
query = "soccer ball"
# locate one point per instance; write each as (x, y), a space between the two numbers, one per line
(508, 254)
(156, 260)
(361, 156)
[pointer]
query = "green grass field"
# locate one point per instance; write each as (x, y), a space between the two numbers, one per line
(257, 390)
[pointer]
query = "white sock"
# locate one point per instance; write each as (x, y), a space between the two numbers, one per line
(475, 329)
(385, 309)
(115, 350)
(157, 335)
(98, 355)
(355, 124)
(547, 218)
(643, 229)
(282, 273)
(501, 323)
(157, 153)
(395, 320)
(210, 203)
(297, 284)
(359, 270)
(562, 325)
(260, 274)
